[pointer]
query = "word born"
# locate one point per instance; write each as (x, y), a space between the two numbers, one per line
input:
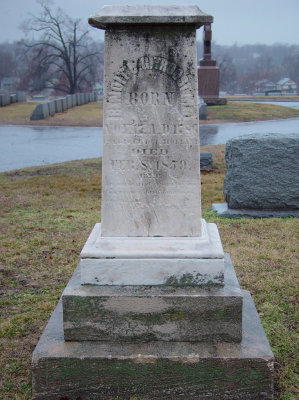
(151, 98)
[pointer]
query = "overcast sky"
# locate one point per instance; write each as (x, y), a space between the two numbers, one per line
(235, 21)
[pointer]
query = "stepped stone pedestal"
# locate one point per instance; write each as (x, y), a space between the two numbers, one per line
(154, 308)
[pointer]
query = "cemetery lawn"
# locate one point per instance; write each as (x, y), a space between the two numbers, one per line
(237, 111)
(92, 114)
(46, 215)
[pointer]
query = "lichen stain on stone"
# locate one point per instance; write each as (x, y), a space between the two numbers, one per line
(185, 280)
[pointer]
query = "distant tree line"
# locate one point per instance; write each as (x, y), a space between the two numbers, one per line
(241, 67)
(59, 56)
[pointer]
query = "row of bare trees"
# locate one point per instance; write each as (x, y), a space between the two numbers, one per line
(60, 54)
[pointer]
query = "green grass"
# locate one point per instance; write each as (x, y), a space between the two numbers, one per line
(46, 215)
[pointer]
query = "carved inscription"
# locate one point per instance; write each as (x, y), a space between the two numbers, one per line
(137, 90)
(157, 98)
(151, 148)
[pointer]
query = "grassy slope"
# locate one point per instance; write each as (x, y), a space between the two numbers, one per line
(238, 111)
(92, 114)
(47, 213)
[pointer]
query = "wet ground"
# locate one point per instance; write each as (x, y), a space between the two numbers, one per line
(25, 146)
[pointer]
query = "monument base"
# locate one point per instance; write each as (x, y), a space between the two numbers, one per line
(147, 313)
(154, 370)
(170, 261)
(223, 210)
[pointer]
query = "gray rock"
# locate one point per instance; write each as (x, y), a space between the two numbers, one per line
(262, 172)
(41, 111)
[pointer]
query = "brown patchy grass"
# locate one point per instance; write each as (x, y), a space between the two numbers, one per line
(235, 111)
(263, 98)
(46, 215)
(90, 114)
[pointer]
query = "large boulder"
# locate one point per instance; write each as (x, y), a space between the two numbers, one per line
(262, 172)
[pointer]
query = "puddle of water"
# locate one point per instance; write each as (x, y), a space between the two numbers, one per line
(221, 133)
(25, 146)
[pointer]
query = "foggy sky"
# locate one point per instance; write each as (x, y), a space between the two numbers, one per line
(235, 21)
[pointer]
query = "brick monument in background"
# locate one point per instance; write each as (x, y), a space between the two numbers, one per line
(209, 73)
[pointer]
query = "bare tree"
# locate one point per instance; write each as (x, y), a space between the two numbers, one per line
(63, 52)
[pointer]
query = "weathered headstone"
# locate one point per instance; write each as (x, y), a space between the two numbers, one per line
(206, 161)
(64, 104)
(202, 109)
(78, 99)
(74, 100)
(41, 111)
(69, 101)
(21, 96)
(153, 271)
(51, 105)
(58, 105)
(261, 176)
(13, 98)
(5, 99)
